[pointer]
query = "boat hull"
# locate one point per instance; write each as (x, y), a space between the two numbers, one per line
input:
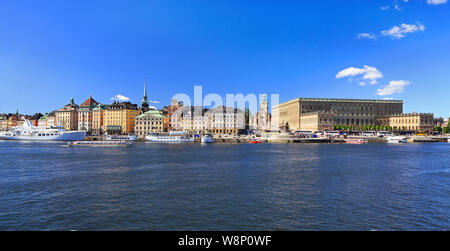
(66, 136)
(168, 139)
(396, 140)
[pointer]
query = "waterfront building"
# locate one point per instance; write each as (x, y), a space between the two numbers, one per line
(317, 121)
(85, 114)
(51, 119)
(3, 122)
(67, 116)
(445, 124)
(438, 122)
(151, 121)
(193, 119)
(12, 121)
(173, 118)
(119, 118)
(97, 119)
(422, 122)
(350, 112)
(225, 120)
(42, 122)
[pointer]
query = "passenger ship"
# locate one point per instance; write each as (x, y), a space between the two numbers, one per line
(396, 140)
(168, 138)
(121, 137)
(30, 132)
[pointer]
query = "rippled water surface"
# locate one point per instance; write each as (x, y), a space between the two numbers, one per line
(47, 186)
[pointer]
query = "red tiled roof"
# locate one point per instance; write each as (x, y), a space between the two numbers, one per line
(89, 102)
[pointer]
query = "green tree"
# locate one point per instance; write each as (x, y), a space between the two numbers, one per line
(446, 129)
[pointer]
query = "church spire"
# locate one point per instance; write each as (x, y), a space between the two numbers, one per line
(144, 103)
(145, 89)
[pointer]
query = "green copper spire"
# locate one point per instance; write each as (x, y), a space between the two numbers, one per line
(144, 103)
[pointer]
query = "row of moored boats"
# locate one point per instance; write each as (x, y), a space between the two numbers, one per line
(389, 140)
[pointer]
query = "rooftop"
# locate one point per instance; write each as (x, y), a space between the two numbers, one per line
(382, 101)
(154, 113)
(90, 102)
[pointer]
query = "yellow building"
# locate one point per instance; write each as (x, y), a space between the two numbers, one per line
(317, 121)
(68, 116)
(97, 119)
(119, 118)
(151, 121)
(422, 122)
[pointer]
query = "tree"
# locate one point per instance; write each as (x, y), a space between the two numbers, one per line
(446, 129)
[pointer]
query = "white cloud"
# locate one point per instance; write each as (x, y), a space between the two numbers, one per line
(120, 98)
(154, 101)
(395, 5)
(395, 86)
(366, 35)
(367, 73)
(398, 32)
(436, 2)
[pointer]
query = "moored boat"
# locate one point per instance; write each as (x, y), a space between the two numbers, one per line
(396, 140)
(254, 141)
(98, 143)
(121, 137)
(207, 138)
(168, 138)
(356, 141)
(36, 133)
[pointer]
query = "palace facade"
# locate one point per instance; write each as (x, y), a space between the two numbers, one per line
(351, 112)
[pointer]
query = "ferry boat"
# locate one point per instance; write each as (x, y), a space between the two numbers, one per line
(121, 137)
(35, 133)
(356, 141)
(207, 138)
(168, 138)
(395, 139)
(98, 143)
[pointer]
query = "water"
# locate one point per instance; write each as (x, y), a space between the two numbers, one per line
(47, 186)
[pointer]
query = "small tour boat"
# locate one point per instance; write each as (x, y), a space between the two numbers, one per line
(254, 141)
(121, 137)
(97, 143)
(168, 138)
(356, 141)
(207, 138)
(395, 140)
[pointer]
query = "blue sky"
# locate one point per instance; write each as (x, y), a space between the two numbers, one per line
(53, 50)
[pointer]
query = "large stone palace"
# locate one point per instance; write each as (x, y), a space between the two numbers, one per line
(298, 114)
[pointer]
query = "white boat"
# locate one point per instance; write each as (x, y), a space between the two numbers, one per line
(356, 141)
(98, 143)
(121, 137)
(35, 133)
(396, 140)
(207, 138)
(167, 138)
